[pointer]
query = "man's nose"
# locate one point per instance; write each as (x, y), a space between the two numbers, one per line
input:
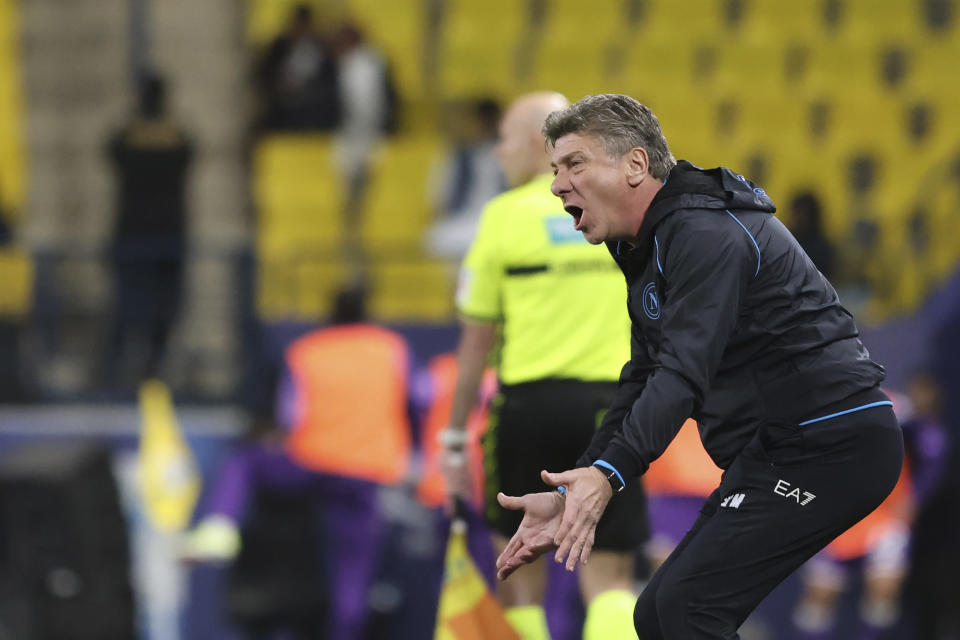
(560, 185)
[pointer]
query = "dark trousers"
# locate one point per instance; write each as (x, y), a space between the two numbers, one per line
(786, 496)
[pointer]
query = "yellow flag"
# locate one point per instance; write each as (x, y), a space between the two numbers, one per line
(168, 473)
(467, 611)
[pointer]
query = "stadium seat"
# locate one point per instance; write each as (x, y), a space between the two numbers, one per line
(267, 18)
(298, 287)
(397, 208)
(773, 21)
(687, 124)
(574, 76)
(298, 194)
(300, 228)
(881, 21)
(398, 29)
(655, 68)
(568, 20)
(675, 22)
(559, 64)
(411, 290)
(479, 47)
(749, 69)
(16, 273)
(777, 91)
(13, 169)
(840, 68)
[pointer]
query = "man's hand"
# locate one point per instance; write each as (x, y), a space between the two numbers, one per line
(535, 536)
(588, 493)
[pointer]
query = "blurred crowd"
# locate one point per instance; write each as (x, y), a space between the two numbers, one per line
(892, 576)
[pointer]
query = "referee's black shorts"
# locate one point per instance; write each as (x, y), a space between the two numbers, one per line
(548, 424)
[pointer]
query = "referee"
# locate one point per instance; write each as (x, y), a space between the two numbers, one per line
(558, 302)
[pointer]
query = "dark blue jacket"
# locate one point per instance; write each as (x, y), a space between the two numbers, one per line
(732, 325)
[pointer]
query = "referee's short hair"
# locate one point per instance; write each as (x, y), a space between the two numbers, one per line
(620, 122)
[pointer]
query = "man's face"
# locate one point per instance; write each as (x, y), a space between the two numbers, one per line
(515, 148)
(593, 187)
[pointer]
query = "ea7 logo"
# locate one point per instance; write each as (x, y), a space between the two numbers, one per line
(733, 500)
(782, 488)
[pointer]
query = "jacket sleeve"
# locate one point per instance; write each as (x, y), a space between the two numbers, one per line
(633, 377)
(708, 261)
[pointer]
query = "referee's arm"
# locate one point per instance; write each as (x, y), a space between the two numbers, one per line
(476, 340)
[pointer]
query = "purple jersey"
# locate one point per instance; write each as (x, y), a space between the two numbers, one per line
(926, 445)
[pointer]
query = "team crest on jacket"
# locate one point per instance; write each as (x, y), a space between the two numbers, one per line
(651, 304)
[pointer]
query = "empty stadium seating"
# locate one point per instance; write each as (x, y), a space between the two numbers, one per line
(800, 92)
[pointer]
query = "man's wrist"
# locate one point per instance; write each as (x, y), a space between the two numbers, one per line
(453, 437)
(610, 472)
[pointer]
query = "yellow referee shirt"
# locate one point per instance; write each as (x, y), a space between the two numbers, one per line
(562, 301)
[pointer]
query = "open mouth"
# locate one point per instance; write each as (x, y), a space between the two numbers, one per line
(576, 212)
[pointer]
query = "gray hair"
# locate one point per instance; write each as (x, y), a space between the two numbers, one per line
(620, 122)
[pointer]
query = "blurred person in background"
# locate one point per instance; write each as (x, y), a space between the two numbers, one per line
(879, 545)
(297, 78)
(559, 304)
(151, 156)
(13, 310)
(348, 406)
(368, 102)
(806, 216)
(467, 177)
(432, 488)
(677, 483)
(734, 327)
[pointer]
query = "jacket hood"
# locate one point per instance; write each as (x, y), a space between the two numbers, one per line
(690, 187)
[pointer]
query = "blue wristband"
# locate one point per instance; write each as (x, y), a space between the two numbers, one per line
(613, 477)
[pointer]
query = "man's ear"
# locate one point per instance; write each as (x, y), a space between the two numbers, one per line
(637, 166)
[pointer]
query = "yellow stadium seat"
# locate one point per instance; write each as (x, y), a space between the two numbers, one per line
(298, 287)
(881, 21)
(749, 70)
(769, 119)
(687, 125)
(568, 20)
(411, 290)
(849, 70)
(398, 28)
(16, 273)
(680, 24)
(298, 194)
(396, 204)
(561, 65)
(268, 18)
(13, 165)
(654, 69)
(775, 21)
(316, 283)
(933, 70)
(575, 76)
(478, 48)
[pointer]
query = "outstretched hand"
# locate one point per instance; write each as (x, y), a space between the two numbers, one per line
(538, 529)
(588, 493)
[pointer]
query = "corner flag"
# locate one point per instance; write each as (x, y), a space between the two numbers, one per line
(169, 480)
(467, 609)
